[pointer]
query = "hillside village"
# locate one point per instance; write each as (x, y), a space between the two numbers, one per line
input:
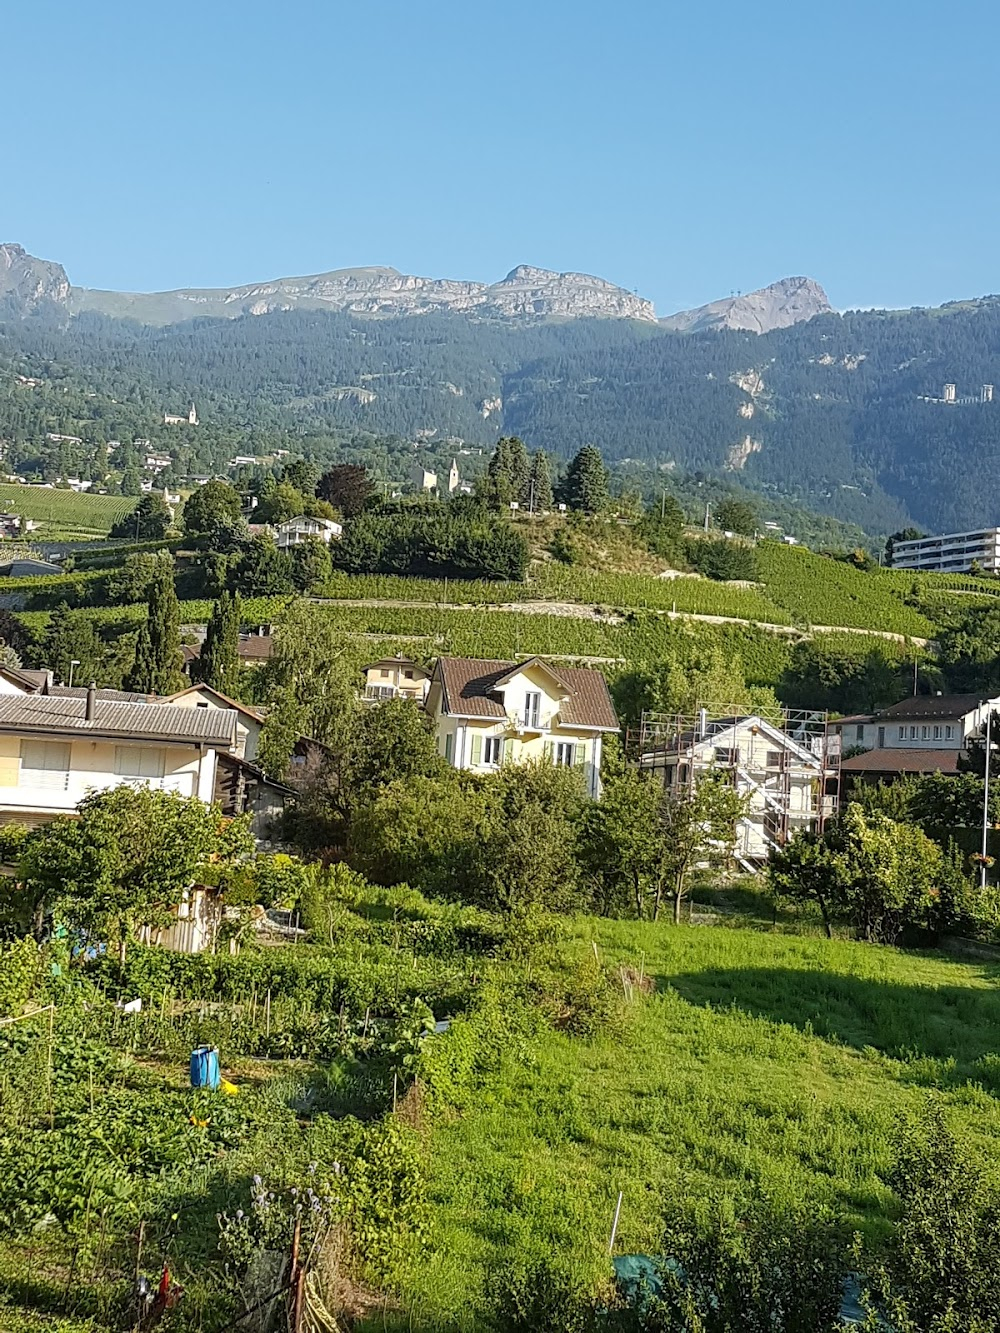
(443, 828)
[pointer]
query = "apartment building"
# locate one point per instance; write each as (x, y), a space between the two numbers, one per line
(951, 553)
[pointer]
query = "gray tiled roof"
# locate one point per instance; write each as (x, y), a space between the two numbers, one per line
(39, 714)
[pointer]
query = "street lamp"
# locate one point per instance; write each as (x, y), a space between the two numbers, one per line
(983, 859)
(75, 662)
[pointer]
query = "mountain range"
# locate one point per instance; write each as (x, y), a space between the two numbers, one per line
(847, 413)
(27, 283)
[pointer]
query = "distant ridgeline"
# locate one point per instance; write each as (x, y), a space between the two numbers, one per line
(848, 414)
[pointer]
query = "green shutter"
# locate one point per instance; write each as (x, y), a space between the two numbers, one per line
(548, 752)
(503, 752)
(477, 749)
(580, 754)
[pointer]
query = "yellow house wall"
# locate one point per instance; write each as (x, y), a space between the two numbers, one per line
(247, 730)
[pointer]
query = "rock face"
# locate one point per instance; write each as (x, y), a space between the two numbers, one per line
(27, 282)
(789, 301)
(525, 293)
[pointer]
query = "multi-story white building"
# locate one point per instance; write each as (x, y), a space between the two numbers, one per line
(951, 553)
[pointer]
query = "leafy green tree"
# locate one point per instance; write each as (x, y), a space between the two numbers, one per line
(218, 662)
(311, 565)
(539, 498)
(808, 869)
(623, 851)
(732, 515)
(131, 581)
(970, 651)
(347, 487)
(149, 520)
(131, 479)
(661, 528)
(312, 675)
(940, 1272)
(211, 507)
(903, 535)
(156, 669)
(723, 559)
(301, 474)
(124, 862)
(262, 570)
(585, 485)
(697, 824)
(507, 473)
(71, 638)
(278, 501)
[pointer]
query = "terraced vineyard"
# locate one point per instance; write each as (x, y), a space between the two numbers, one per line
(64, 515)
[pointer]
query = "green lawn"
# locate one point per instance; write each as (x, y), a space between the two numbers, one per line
(760, 1062)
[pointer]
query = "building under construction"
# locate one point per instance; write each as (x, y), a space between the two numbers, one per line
(788, 765)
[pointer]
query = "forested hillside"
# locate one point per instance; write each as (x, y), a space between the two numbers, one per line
(833, 412)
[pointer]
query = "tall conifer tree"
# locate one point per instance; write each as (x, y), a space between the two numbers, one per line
(218, 664)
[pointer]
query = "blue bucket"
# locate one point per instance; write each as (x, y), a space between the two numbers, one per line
(205, 1067)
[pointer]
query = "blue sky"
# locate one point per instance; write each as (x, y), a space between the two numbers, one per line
(686, 150)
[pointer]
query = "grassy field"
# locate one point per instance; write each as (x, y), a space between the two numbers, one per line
(761, 1062)
(64, 515)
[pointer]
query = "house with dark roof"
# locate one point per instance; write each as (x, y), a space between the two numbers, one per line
(489, 713)
(923, 734)
(56, 749)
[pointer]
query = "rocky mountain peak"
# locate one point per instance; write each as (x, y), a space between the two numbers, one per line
(27, 282)
(777, 306)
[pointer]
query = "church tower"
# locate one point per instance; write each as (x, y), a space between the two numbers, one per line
(192, 416)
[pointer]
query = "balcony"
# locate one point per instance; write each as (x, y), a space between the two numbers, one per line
(61, 791)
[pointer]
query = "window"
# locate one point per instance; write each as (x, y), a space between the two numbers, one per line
(924, 733)
(913, 733)
(45, 763)
(383, 673)
(937, 732)
(949, 732)
(859, 731)
(449, 746)
(201, 705)
(493, 750)
(139, 761)
(407, 675)
(565, 754)
(532, 708)
(902, 733)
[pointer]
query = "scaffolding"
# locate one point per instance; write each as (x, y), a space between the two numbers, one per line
(787, 762)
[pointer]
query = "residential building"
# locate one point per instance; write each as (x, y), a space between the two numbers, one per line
(252, 650)
(298, 530)
(247, 721)
(489, 713)
(951, 553)
(924, 734)
(421, 479)
(55, 749)
(395, 678)
(788, 773)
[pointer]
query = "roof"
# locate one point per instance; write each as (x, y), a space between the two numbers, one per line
(721, 729)
(253, 648)
(467, 684)
(108, 696)
(935, 705)
(902, 761)
(48, 715)
(223, 699)
(850, 719)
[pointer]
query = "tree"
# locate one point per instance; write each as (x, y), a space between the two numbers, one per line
(262, 570)
(507, 473)
(71, 646)
(808, 869)
(311, 565)
(218, 663)
(661, 527)
(539, 490)
(156, 669)
(124, 862)
(278, 501)
(623, 851)
(970, 651)
(131, 581)
(149, 520)
(211, 507)
(347, 487)
(301, 474)
(585, 485)
(940, 1272)
(732, 515)
(698, 824)
(131, 479)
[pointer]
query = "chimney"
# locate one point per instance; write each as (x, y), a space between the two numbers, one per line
(91, 708)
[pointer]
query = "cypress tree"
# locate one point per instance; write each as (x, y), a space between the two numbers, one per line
(218, 664)
(585, 486)
(156, 669)
(539, 495)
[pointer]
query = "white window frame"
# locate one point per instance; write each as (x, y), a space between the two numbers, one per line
(902, 733)
(564, 754)
(949, 732)
(937, 731)
(493, 751)
(532, 708)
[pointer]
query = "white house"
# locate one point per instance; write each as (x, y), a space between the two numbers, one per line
(924, 734)
(297, 530)
(395, 678)
(55, 749)
(491, 713)
(785, 778)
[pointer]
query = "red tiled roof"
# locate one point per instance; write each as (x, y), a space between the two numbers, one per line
(902, 761)
(467, 684)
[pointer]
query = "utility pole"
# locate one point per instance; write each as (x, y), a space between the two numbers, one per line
(663, 504)
(708, 514)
